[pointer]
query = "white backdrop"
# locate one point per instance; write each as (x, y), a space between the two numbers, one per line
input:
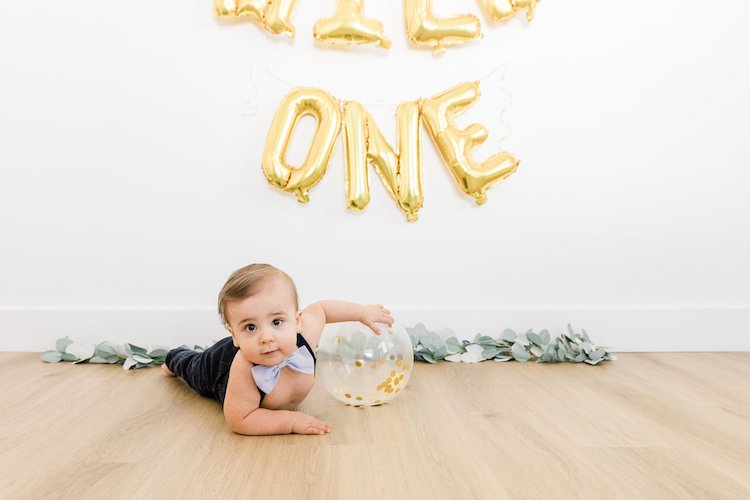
(131, 136)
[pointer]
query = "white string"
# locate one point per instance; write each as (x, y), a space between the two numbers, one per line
(257, 66)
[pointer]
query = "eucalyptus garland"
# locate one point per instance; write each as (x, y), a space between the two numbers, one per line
(128, 355)
(569, 346)
(428, 346)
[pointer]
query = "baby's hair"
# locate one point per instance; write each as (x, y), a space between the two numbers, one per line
(246, 282)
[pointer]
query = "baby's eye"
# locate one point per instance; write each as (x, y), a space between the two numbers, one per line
(250, 327)
(277, 322)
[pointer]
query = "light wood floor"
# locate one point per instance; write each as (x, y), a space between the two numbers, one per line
(667, 425)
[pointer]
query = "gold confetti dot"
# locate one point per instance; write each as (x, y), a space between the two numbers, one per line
(347, 395)
(398, 363)
(389, 390)
(359, 398)
(373, 365)
(388, 380)
(395, 382)
(338, 340)
(358, 363)
(393, 374)
(406, 367)
(380, 386)
(392, 357)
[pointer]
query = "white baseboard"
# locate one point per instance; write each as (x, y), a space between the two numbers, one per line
(621, 329)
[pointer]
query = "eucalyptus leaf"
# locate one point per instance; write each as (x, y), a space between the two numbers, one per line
(66, 356)
(519, 353)
(536, 350)
(52, 356)
(142, 359)
(544, 336)
(62, 344)
(597, 355)
(491, 352)
(508, 335)
(453, 346)
(136, 349)
(105, 350)
(534, 338)
(159, 352)
(129, 363)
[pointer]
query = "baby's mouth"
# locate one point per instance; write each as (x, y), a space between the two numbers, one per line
(270, 352)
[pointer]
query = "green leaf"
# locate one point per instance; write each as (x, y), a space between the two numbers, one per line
(136, 349)
(491, 352)
(63, 344)
(503, 358)
(52, 356)
(129, 363)
(454, 346)
(486, 341)
(105, 350)
(159, 352)
(597, 355)
(66, 356)
(534, 338)
(544, 335)
(536, 350)
(519, 353)
(427, 357)
(508, 335)
(142, 359)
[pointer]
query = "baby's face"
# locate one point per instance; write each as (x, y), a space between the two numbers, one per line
(265, 325)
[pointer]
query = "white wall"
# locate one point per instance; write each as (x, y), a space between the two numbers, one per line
(130, 144)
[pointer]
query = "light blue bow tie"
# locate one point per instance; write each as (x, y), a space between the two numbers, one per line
(266, 376)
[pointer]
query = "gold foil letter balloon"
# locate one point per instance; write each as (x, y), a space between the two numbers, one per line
(349, 26)
(400, 172)
(273, 15)
(455, 145)
(298, 103)
(502, 10)
(359, 368)
(423, 28)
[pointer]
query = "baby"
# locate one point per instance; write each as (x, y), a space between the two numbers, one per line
(266, 367)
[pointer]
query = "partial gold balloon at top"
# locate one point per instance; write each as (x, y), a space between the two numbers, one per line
(503, 10)
(349, 26)
(424, 28)
(273, 15)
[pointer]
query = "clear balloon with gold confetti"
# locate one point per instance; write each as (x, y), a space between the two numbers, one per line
(360, 368)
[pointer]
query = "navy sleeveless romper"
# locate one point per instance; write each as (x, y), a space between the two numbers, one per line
(208, 372)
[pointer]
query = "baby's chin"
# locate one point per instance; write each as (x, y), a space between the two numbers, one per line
(269, 359)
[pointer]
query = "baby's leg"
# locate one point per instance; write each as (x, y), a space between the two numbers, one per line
(186, 364)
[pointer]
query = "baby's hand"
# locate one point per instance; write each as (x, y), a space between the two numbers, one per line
(376, 314)
(307, 424)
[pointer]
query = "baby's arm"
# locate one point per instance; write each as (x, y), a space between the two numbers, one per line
(243, 413)
(315, 316)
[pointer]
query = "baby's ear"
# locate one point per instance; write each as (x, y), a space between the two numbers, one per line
(299, 320)
(234, 339)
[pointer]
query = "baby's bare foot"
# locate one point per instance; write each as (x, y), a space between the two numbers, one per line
(166, 370)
